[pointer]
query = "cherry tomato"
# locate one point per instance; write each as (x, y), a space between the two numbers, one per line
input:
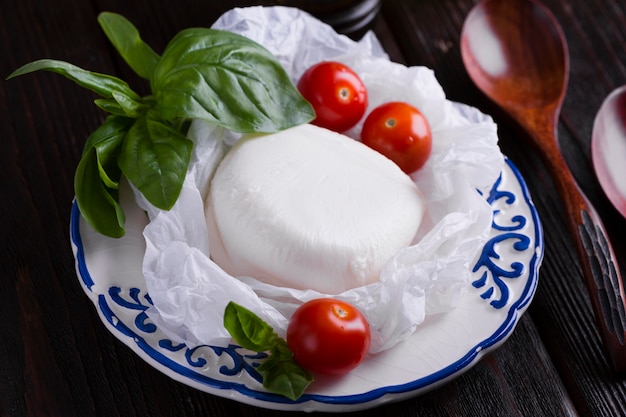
(401, 133)
(336, 93)
(328, 336)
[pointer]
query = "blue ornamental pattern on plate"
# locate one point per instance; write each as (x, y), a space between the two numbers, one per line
(494, 273)
(505, 277)
(242, 360)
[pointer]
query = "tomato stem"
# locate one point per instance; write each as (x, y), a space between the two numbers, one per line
(340, 312)
(344, 94)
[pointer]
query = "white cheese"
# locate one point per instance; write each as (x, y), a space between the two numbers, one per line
(308, 208)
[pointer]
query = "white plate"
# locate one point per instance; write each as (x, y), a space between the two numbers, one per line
(505, 277)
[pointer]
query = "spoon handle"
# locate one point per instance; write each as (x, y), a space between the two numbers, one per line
(600, 268)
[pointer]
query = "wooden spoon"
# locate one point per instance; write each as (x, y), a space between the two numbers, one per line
(608, 147)
(516, 53)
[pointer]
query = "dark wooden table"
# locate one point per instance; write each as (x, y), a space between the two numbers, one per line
(56, 357)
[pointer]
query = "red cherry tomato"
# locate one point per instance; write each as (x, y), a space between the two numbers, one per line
(328, 336)
(401, 133)
(336, 93)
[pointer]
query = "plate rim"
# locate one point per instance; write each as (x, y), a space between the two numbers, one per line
(266, 399)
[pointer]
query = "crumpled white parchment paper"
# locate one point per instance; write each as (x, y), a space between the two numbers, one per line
(190, 292)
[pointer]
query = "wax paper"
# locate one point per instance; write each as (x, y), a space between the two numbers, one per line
(189, 291)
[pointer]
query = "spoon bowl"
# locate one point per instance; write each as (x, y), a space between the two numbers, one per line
(516, 53)
(608, 147)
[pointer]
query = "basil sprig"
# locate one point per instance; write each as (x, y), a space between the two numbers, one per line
(208, 74)
(281, 373)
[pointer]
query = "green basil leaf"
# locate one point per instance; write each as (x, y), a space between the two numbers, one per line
(131, 106)
(97, 177)
(285, 377)
(155, 158)
(278, 353)
(107, 141)
(122, 105)
(125, 38)
(98, 204)
(226, 79)
(281, 373)
(110, 106)
(102, 84)
(248, 329)
(112, 130)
